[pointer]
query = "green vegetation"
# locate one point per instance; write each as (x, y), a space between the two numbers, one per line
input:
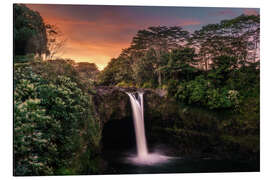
(211, 76)
(29, 32)
(216, 67)
(34, 38)
(54, 119)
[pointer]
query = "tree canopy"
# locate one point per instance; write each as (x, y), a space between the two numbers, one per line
(216, 56)
(29, 32)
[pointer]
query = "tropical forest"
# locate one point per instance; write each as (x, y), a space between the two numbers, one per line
(173, 101)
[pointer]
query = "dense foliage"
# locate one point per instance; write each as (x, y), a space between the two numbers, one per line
(214, 76)
(87, 70)
(216, 67)
(53, 118)
(33, 37)
(214, 70)
(29, 32)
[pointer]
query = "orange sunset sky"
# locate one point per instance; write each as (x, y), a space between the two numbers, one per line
(98, 33)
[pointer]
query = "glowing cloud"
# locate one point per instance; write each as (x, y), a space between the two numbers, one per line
(189, 22)
(250, 12)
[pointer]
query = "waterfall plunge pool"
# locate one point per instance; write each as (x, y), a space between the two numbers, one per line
(126, 151)
(125, 162)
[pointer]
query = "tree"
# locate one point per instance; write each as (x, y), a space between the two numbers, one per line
(87, 70)
(118, 70)
(247, 30)
(221, 68)
(238, 37)
(144, 70)
(180, 63)
(160, 39)
(56, 41)
(29, 32)
(143, 59)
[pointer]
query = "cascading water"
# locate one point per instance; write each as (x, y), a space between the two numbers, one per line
(138, 119)
(143, 157)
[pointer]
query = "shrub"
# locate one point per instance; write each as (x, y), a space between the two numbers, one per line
(24, 58)
(193, 91)
(200, 92)
(49, 118)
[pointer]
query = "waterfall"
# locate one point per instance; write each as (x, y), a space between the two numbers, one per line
(143, 157)
(138, 119)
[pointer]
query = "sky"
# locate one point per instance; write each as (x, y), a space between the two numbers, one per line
(97, 33)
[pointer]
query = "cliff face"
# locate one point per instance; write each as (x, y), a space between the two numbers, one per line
(112, 103)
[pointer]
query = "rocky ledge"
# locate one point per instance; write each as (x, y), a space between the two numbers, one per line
(106, 90)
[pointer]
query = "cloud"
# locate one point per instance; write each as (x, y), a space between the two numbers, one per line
(189, 22)
(250, 12)
(225, 12)
(94, 41)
